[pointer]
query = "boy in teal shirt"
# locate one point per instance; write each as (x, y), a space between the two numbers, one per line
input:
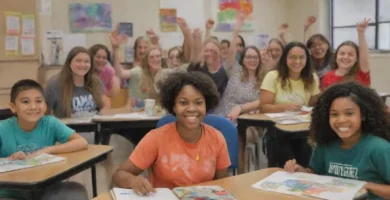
(351, 130)
(31, 133)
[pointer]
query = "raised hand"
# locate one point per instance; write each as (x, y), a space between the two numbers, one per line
(181, 22)
(152, 36)
(362, 26)
(309, 21)
(197, 34)
(239, 21)
(267, 61)
(210, 23)
(283, 30)
(116, 39)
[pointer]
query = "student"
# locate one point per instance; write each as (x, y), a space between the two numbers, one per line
(184, 152)
(76, 91)
(291, 86)
(321, 54)
(351, 62)
(207, 59)
(175, 56)
(350, 129)
(225, 45)
(102, 66)
(275, 48)
(31, 133)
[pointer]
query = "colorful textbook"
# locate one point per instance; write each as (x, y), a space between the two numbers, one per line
(304, 184)
(183, 193)
(11, 165)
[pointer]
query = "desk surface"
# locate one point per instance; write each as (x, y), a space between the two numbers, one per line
(257, 116)
(287, 127)
(35, 175)
(240, 187)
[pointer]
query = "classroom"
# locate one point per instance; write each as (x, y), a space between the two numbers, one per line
(194, 99)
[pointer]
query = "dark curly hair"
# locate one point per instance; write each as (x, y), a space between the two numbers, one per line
(172, 86)
(306, 73)
(376, 120)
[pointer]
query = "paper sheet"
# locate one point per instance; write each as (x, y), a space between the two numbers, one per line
(304, 184)
(11, 45)
(69, 41)
(27, 46)
(43, 159)
(28, 25)
(12, 22)
(193, 14)
(126, 194)
(45, 7)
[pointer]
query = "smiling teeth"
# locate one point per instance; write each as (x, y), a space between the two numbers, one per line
(343, 129)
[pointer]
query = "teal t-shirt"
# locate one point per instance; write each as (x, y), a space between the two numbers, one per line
(368, 160)
(48, 132)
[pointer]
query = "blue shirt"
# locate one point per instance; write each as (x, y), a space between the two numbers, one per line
(368, 160)
(48, 132)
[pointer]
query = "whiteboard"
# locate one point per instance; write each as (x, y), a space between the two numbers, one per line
(191, 10)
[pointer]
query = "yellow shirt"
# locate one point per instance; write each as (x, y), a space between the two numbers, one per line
(297, 95)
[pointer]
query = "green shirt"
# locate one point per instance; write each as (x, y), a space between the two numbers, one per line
(368, 160)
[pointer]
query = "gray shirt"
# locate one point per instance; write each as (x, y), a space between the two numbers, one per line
(83, 103)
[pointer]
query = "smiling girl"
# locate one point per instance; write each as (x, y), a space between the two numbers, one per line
(351, 131)
(76, 91)
(184, 152)
(351, 62)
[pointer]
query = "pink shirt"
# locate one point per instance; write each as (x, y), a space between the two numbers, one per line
(107, 77)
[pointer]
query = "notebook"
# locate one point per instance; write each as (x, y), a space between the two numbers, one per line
(126, 194)
(11, 165)
(203, 193)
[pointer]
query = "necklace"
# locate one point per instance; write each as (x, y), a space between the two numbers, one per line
(197, 158)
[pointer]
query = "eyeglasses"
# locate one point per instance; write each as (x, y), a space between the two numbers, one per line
(252, 57)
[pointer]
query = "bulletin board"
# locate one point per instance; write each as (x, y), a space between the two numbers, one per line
(27, 36)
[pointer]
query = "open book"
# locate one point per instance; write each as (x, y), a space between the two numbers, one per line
(11, 165)
(304, 184)
(183, 193)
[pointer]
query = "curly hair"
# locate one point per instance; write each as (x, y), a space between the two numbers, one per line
(306, 73)
(172, 86)
(376, 120)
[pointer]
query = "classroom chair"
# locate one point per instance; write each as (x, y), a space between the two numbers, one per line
(226, 127)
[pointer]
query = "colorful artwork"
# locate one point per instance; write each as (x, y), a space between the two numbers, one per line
(227, 14)
(90, 17)
(303, 184)
(168, 20)
(203, 193)
(7, 165)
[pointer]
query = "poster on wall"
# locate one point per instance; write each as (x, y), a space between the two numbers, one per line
(92, 17)
(12, 22)
(126, 28)
(11, 45)
(28, 25)
(168, 20)
(227, 11)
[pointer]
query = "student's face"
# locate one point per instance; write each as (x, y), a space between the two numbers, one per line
(174, 58)
(80, 64)
(211, 53)
(224, 50)
(239, 45)
(29, 105)
(100, 60)
(346, 57)
(296, 59)
(190, 107)
(251, 59)
(318, 49)
(154, 60)
(275, 50)
(345, 118)
(142, 48)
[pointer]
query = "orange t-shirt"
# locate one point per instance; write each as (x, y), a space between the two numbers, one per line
(172, 162)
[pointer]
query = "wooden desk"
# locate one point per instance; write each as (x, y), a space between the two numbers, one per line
(241, 187)
(38, 178)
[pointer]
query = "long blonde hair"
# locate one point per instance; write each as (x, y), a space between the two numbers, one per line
(147, 80)
(91, 82)
(259, 73)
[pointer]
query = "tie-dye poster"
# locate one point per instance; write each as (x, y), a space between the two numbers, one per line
(92, 17)
(227, 11)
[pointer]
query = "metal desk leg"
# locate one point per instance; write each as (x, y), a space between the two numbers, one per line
(93, 174)
(97, 135)
(241, 151)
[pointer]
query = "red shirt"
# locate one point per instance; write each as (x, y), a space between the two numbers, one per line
(331, 78)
